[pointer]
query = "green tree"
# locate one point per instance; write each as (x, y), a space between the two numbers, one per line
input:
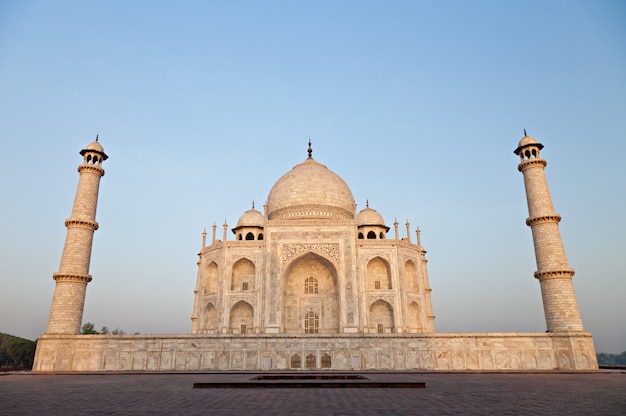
(88, 328)
(104, 330)
(16, 352)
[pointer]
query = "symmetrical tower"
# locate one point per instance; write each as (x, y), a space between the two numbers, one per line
(66, 312)
(553, 272)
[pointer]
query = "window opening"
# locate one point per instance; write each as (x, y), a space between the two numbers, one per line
(377, 284)
(381, 330)
(244, 286)
(326, 361)
(296, 361)
(311, 286)
(311, 324)
(311, 361)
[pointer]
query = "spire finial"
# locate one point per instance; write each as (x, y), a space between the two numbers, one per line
(310, 150)
(96, 137)
(367, 203)
(253, 204)
(525, 133)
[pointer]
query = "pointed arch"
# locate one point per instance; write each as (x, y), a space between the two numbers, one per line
(415, 325)
(296, 361)
(381, 317)
(326, 360)
(242, 317)
(311, 361)
(243, 277)
(378, 274)
(210, 278)
(410, 276)
(298, 303)
(208, 319)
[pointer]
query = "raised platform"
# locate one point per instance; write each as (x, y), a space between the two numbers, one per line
(266, 352)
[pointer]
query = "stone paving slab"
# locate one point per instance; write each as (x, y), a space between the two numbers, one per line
(594, 393)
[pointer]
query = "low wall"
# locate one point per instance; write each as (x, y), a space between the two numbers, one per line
(466, 351)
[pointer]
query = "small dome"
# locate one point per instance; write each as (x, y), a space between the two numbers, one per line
(526, 140)
(251, 218)
(310, 190)
(95, 146)
(369, 216)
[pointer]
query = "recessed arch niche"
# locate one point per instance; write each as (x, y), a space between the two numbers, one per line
(298, 304)
(243, 275)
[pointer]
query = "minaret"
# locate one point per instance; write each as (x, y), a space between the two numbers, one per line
(66, 313)
(553, 272)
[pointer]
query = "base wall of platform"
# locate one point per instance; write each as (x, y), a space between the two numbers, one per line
(466, 351)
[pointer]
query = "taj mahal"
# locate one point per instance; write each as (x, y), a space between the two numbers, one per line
(308, 282)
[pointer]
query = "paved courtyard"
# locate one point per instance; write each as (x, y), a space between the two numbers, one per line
(597, 393)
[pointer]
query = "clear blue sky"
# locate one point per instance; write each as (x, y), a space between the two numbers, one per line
(203, 105)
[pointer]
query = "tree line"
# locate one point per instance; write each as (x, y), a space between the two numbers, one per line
(16, 353)
(612, 359)
(89, 328)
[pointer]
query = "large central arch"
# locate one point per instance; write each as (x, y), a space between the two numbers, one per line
(310, 285)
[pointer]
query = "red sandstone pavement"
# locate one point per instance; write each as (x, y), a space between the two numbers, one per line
(593, 393)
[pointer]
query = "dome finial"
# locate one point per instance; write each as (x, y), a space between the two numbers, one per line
(367, 203)
(253, 204)
(310, 150)
(525, 133)
(96, 137)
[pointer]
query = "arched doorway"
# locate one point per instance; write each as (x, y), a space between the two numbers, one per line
(381, 317)
(378, 274)
(208, 322)
(243, 276)
(310, 290)
(242, 318)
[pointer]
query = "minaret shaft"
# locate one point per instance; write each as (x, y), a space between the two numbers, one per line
(66, 312)
(553, 272)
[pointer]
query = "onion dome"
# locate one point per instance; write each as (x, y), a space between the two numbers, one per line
(251, 218)
(310, 190)
(369, 216)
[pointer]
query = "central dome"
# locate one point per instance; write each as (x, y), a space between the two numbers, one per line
(310, 190)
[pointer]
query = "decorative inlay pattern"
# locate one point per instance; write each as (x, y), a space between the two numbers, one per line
(373, 299)
(328, 250)
(249, 299)
(311, 211)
